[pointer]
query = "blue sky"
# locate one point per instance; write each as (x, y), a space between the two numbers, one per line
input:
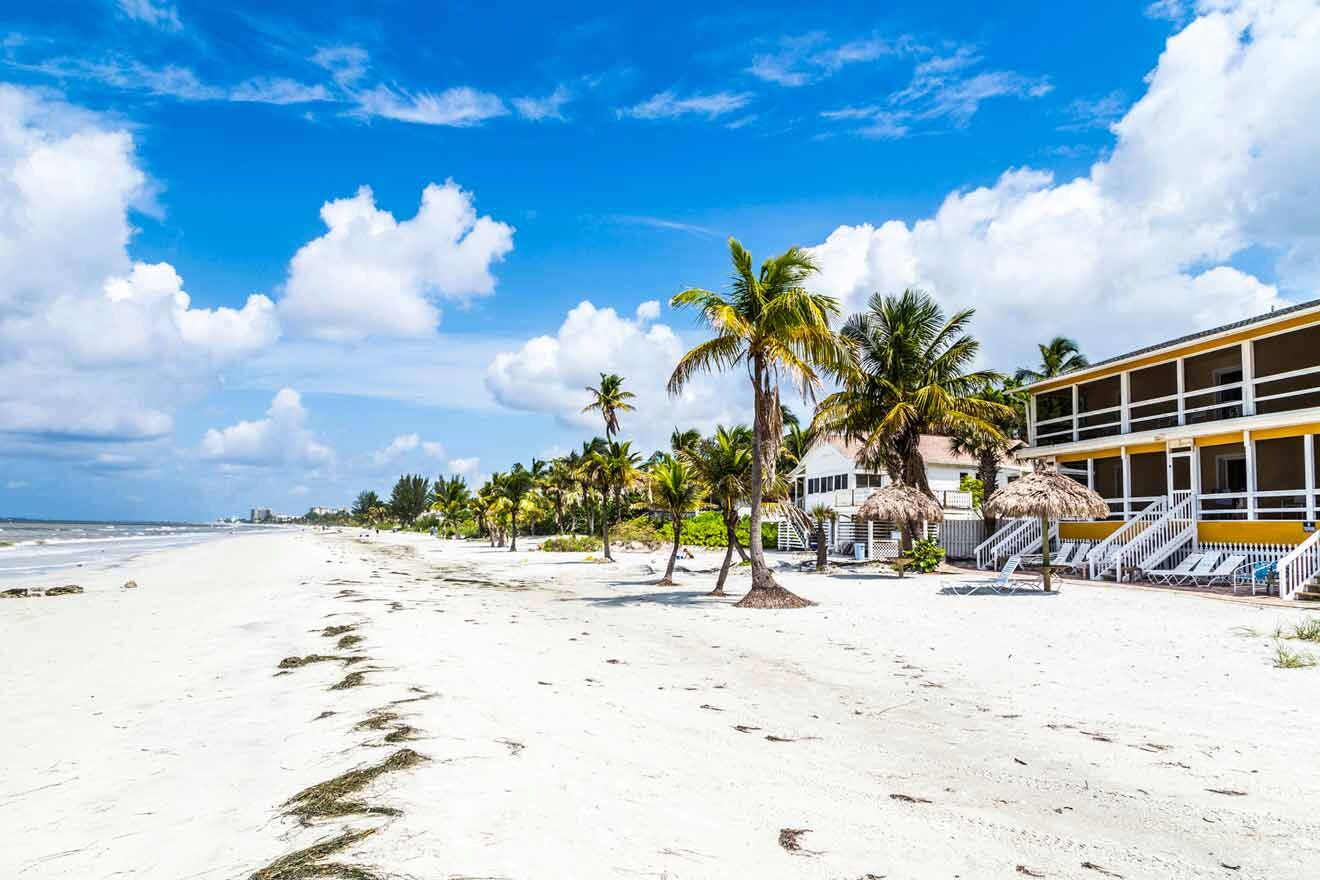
(612, 151)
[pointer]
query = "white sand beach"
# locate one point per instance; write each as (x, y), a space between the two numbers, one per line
(573, 720)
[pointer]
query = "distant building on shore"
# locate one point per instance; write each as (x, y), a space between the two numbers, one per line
(327, 511)
(261, 515)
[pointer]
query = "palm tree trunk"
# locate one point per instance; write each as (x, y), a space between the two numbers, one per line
(724, 572)
(668, 579)
(513, 543)
(731, 523)
(605, 525)
(765, 592)
(1045, 551)
(821, 550)
(988, 474)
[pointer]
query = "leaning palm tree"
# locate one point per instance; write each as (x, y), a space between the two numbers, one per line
(1058, 356)
(723, 463)
(777, 330)
(914, 377)
(609, 399)
(677, 489)
(616, 471)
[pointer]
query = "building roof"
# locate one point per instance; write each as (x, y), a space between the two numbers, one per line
(934, 450)
(1184, 340)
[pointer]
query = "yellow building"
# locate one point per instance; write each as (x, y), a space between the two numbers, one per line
(1205, 439)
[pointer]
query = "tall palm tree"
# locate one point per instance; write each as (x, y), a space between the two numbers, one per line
(778, 331)
(585, 471)
(683, 441)
(1058, 356)
(676, 487)
(450, 497)
(557, 483)
(615, 467)
(609, 399)
(515, 486)
(914, 377)
(723, 463)
(990, 448)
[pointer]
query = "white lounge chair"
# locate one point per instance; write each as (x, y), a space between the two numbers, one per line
(1058, 557)
(1221, 573)
(995, 585)
(1078, 562)
(1170, 575)
(1207, 564)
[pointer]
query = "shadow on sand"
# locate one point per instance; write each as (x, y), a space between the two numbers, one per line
(1001, 591)
(666, 597)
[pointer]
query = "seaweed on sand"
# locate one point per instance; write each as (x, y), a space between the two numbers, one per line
(331, 631)
(334, 797)
(348, 641)
(306, 864)
(352, 680)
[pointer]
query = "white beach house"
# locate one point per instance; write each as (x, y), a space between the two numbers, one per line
(1204, 440)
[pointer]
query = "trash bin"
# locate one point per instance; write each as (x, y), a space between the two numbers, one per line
(859, 551)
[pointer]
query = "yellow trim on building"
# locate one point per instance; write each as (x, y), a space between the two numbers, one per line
(1239, 531)
(1256, 531)
(1143, 448)
(1219, 439)
(1264, 329)
(1081, 456)
(1290, 431)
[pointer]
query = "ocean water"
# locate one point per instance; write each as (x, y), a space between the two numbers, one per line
(29, 547)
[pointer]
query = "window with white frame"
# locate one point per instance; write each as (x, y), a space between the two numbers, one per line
(1224, 481)
(1287, 371)
(1281, 490)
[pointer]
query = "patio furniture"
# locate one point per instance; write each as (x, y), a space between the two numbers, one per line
(1221, 573)
(999, 584)
(1058, 558)
(1173, 575)
(1257, 575)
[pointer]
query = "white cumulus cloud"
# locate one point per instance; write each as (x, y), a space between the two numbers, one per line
(281, 438)
(550, 374)
(1216, 157)
(371, 274)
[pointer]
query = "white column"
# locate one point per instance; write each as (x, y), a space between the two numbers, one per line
(1248, 379)
(1250, 446)
(1074, 413)
(870, 539)
(1031, 420)
(1308, 450)
(1090, 474)
(1127, 481)
(1125, 402)
(1182, 389)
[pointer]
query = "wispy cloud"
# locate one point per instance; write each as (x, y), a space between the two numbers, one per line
(278, 90)
(668, 105)
(1176, 11)
(806, 58)
(943, 90)
(663, 223)
(159, 15)
(551, 107)
(460, 107)
(1102, 112)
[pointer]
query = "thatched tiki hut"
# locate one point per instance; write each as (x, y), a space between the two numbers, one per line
(902, 505)
(1046, 495)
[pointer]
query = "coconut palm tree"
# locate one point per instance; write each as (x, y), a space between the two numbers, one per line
(822, 514)
(723, 462)
(914, 377)
(363, 504)
(677, 488)
(684, 441)
(778, 331)
(990, 448)
(515, 486)
(616, 471)
(585, 473)
(1058, 356)
(557, 484)
(609, 399)
(450, 497)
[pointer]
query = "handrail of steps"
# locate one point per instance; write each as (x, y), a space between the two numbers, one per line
(1300, 567)
(1100, 558)
(1015, 537)
(1156, 542)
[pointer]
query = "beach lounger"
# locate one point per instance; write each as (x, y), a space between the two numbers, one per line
(1221, 573)
(1207, 564)
(1257, 576)
(995, 585)
(1171, 575)
(1077, 563)
(1059, 557)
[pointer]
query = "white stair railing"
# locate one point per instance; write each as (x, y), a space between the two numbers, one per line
(1012, 539)
(792, 536)
(1100, 558)
(1159, 539)
(1300, 567)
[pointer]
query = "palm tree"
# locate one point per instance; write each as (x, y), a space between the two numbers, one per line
(557, 483)
(723, 463)
(677, 488)
(822, 513)
(914, 377)
(1058, 356)
(450, 497)
(363, 504)
(585, 473)
(609, 399)
(616, 471)
(515, 486)
(778, 330)
(990, 448)
(684, 441)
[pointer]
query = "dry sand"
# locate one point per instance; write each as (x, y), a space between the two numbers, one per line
(578, 722)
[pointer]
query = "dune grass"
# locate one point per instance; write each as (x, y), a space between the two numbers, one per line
(1285, 658)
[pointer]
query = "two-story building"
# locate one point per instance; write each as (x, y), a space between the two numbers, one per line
(1211, 437)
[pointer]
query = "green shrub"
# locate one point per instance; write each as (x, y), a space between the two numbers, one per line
(571, 544)
(641, 529)
(926, 556)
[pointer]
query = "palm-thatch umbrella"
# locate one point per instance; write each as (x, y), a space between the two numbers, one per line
(901, 504)
(1047, 495)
